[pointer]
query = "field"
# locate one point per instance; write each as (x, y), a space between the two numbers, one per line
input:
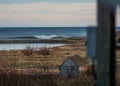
(36, 67)
(38, 60)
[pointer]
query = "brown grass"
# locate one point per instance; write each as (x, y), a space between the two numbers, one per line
(39, 51)
(118, 67)
(11, 78)
(37, 58)
(83, 80)
(43, 51)
(28, 51)
(17, 65)
(118, 74)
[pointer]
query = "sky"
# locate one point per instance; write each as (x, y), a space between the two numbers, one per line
(47, 13)
(29, 1)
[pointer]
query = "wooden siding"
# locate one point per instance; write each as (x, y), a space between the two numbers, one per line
(69, 69)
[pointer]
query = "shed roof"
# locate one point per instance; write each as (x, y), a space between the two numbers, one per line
(77, 60)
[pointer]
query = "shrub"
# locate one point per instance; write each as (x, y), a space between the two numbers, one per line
(43, 51)
(81, 81)
(28, 51)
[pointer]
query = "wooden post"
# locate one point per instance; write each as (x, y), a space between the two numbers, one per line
(106, 43)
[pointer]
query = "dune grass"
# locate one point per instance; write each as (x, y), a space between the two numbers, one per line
(37, 62)
(11, 78)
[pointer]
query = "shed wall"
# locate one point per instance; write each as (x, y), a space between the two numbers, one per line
(69, 69)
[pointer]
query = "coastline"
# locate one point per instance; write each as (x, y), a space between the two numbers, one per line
(33, 41)
(10, 44)
(57, 40)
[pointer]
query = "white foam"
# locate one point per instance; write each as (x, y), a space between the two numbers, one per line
(46, 36)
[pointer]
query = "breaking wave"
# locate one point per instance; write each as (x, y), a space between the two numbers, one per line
(41, 37)
(49, 37)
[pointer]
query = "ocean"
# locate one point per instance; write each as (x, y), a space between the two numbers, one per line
(29, 33)
(40, 32)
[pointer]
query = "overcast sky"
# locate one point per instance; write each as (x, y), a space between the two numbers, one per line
(45, 13)
(29, 1)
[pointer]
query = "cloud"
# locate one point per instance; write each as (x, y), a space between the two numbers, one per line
(48, 14)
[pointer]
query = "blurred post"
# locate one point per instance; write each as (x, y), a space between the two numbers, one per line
(91, 43)
(106, 43)
(91, 50)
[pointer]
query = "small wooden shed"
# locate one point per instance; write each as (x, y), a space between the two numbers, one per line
(71, 67)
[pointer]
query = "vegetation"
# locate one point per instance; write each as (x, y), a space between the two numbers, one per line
(118, 68)
(43, 51)
(28, 51)
(27, 67)
(39, 51)
(83, 80)
(11, 78)
(118, 74)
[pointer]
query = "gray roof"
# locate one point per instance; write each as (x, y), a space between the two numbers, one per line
(77, 60)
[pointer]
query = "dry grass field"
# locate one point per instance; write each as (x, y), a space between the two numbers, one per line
(40, 60)
(36, 67)
(39, 67)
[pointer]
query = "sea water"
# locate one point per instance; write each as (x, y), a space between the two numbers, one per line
(40, 33)
(29, 33)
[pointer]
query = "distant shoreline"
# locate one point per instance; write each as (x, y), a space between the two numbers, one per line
(65, 41)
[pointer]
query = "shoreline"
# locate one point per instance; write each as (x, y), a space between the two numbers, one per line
(32, 41)
(60, 41)
(48, 43)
